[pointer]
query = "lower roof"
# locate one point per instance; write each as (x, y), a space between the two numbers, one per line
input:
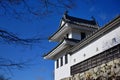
(63, 45)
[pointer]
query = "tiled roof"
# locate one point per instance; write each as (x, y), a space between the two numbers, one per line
(72, 40)
(73, 20)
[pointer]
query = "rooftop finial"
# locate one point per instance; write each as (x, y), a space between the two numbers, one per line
(93, 18)
(65, 14)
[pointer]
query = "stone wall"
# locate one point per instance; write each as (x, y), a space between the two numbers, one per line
(107, 71)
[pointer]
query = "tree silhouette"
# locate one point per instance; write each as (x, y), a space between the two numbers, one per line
(3, 78)
(39, 8)
(19, 9)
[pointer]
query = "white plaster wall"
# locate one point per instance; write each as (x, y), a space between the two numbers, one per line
(62, 71)
(102, 44)
(75, 35)
(90, 50)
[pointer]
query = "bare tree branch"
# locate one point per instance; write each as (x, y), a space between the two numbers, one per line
(12, 38)
(11, 64)
(19, 9)
(3, 78)
(38, 8)
(7, 65)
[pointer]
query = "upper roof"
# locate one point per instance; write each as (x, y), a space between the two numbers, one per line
(75, 20)
(64, 28)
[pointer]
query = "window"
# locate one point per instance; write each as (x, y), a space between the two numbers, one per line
(61, 61)
(66, 59)
(57, 63)
(82, 35)
(67, 35)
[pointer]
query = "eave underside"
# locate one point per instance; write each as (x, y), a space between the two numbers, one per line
(59, 49)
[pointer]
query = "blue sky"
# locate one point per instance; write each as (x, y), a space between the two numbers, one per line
(102, 10)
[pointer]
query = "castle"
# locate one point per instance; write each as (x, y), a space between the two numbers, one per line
(86, 51)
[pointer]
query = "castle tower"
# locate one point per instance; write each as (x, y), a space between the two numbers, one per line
(71, 31)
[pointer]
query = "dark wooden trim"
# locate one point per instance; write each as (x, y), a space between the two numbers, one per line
(103, 57)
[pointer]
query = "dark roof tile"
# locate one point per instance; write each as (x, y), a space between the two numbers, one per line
(78, 20)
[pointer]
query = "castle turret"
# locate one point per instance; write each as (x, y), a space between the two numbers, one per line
(79, 52)
(71, 31)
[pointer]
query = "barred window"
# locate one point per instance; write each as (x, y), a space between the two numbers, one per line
(61, 61)
(66, 59)
(57, 63)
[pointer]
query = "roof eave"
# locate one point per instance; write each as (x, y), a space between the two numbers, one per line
(66, 43)
(56, 50)
(61, 31)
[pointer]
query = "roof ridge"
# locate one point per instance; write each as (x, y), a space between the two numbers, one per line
(69, 18)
